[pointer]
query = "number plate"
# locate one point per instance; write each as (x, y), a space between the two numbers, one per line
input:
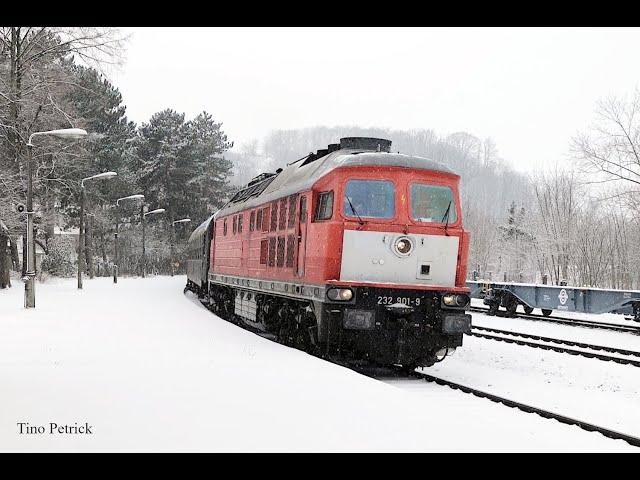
(390, 300)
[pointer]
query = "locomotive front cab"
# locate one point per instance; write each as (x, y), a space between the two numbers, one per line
(400, 291)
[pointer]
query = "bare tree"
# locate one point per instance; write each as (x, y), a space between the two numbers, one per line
(556, 194)
(612, 147)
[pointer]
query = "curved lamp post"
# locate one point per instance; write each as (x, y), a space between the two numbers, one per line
(115, 235)
(29, 278)
(99, 176)
(172, 240)
(143, 214)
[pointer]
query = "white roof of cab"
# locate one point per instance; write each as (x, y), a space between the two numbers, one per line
(298, 177)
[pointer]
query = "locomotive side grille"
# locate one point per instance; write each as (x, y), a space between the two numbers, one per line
(265, 219)
(280, 260)
(272, 251)
(283, 214)
(259, 220)
(293, 202)
(290, 250)
(274, 216)
(264, 251)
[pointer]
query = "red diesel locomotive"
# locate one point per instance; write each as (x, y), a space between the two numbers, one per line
(352, 252)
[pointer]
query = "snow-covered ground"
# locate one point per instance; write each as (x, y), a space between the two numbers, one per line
(151, 370)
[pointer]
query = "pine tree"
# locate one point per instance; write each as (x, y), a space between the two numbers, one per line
(180, 166)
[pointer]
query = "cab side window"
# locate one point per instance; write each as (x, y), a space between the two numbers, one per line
(324, 210)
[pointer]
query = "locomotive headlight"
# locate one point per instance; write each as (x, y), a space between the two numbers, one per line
(340, 294)
(449, 299)
(403, 246)
(455, 300)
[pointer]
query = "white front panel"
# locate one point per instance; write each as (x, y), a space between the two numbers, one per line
(369, 257)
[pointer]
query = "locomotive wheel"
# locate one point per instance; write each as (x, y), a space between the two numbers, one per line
(527, 309)
(301, 339)
(305, 337)
(284, 334)
(546, 312)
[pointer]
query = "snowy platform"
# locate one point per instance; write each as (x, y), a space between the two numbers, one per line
(151, 370)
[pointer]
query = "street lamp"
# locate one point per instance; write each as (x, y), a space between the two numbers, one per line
(144, 254)
(29, 279)
(99, 176)
(115, 235)
(173, 235)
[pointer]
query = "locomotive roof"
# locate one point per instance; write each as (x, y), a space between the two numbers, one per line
(301, 176)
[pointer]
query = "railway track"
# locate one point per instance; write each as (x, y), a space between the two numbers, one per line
(569, 351)
(570, 321)
(589, 427)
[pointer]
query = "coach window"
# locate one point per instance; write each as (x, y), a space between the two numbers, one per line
(325, 206)
(432, 204)
(369, 198)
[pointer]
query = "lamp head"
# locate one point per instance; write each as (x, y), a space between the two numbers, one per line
(157, 210)
(130, 197)
(71, 133)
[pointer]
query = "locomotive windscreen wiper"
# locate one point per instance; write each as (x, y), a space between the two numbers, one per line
(446, 215)
(354, 210)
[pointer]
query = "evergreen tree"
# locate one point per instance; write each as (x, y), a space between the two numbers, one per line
(179, 164)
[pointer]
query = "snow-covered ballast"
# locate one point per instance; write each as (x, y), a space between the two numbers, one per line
(352, 251)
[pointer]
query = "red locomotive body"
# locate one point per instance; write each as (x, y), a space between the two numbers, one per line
(350, 252)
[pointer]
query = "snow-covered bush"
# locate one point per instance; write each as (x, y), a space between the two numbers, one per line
(61, 260)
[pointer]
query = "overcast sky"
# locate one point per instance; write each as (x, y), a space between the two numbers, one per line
(530, 89)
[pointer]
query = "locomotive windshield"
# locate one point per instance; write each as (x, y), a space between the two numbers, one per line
(431, 203)
(369, 198)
